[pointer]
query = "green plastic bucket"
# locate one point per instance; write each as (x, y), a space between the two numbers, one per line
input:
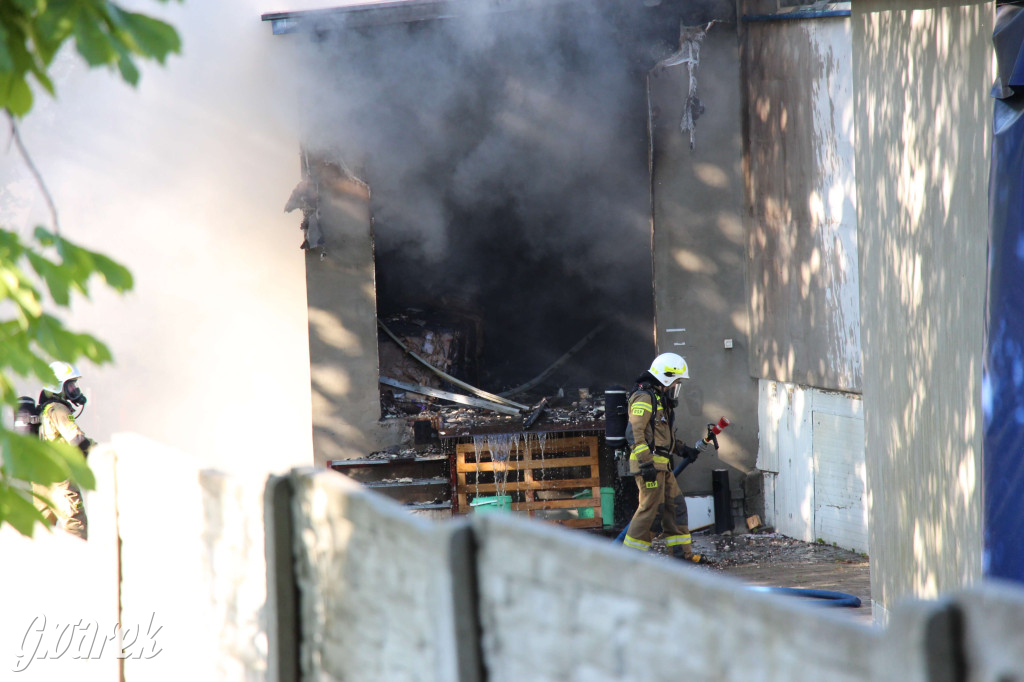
(607, 506)
(492, 505)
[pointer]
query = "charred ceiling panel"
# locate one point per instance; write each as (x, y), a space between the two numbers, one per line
(802, 236)
(506, 152)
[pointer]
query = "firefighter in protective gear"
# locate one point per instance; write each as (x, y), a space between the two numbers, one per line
(651, 435)
(57, 423)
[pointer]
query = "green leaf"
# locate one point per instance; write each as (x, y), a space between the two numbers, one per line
(15, 94)
(19, 511)
(129, 72)
(57, 342)
(6, 60)
(74, 460)
(153, 38)
(114, 274)
(29, 459)
(29, 6)
(56, 280)
(43, 79)
(90, 40)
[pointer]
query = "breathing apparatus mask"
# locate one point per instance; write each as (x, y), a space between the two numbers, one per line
(672, 393)
(73, 394)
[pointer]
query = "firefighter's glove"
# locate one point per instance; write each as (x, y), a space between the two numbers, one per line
(648, 472)
(688, 454)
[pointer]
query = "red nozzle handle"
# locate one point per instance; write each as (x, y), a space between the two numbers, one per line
(720, 426)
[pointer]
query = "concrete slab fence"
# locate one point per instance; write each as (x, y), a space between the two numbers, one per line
(309, 576)
(361, 590)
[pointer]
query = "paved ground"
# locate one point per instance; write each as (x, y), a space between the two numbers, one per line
(773, 560)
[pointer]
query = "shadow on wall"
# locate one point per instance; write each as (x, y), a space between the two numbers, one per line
(699, 251)
(802, 235)
(922, 113)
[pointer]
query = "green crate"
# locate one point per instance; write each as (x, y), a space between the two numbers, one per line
(492, 505)
(607, 506)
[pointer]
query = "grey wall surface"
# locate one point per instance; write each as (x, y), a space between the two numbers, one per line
(387, 596)
(376, 588)
(802, 223)
(343, 327)
(699, 254)
(922, 73)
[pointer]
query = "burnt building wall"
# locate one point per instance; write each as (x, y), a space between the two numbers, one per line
(506, 157)
(800, 197)
(699, 255)
(505, 163)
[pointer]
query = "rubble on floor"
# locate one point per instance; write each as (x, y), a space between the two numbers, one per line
(763, 548)
(452, 421)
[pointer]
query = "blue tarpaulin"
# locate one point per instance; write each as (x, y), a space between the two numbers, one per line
(1003, 384)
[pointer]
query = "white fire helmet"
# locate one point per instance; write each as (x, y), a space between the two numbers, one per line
(64, 372)
(669, 368)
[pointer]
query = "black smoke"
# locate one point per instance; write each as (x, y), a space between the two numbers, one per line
(507, 155)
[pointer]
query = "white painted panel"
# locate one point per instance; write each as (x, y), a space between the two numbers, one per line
(768, 409)
(794, 486)
(839, 481)
(700, 510)
(769, 499)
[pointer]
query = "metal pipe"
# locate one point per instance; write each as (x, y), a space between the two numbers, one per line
(490, 397)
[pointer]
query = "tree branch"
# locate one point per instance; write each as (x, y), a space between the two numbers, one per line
(16, 136)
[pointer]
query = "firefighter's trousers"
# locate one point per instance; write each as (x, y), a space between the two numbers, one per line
(68, 511)
(660, 497)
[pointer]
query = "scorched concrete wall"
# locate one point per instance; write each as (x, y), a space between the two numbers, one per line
(922, 73)
(698, 243)
(802, 271)
(802, 222)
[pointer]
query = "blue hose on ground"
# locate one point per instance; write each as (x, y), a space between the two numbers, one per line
(824, 597)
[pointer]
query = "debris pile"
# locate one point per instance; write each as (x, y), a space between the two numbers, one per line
(586, 413)
(446, 341)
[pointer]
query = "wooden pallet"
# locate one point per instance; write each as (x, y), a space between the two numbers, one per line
(532, 471)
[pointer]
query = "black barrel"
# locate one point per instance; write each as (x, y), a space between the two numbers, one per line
(615, 417)
(723, 500)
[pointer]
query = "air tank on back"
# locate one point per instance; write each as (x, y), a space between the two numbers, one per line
(615, 420)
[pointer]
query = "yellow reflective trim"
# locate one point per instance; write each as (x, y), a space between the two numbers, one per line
(636, 544)
(658, 459)
(673, 540)
(637, 449)
(641, 403)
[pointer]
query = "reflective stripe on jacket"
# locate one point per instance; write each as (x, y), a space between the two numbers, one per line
(651, 424)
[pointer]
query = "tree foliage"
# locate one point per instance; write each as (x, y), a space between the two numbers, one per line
(41, 273)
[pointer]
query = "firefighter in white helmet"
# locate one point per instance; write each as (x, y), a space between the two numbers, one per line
(57, 403)
(651, 436)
